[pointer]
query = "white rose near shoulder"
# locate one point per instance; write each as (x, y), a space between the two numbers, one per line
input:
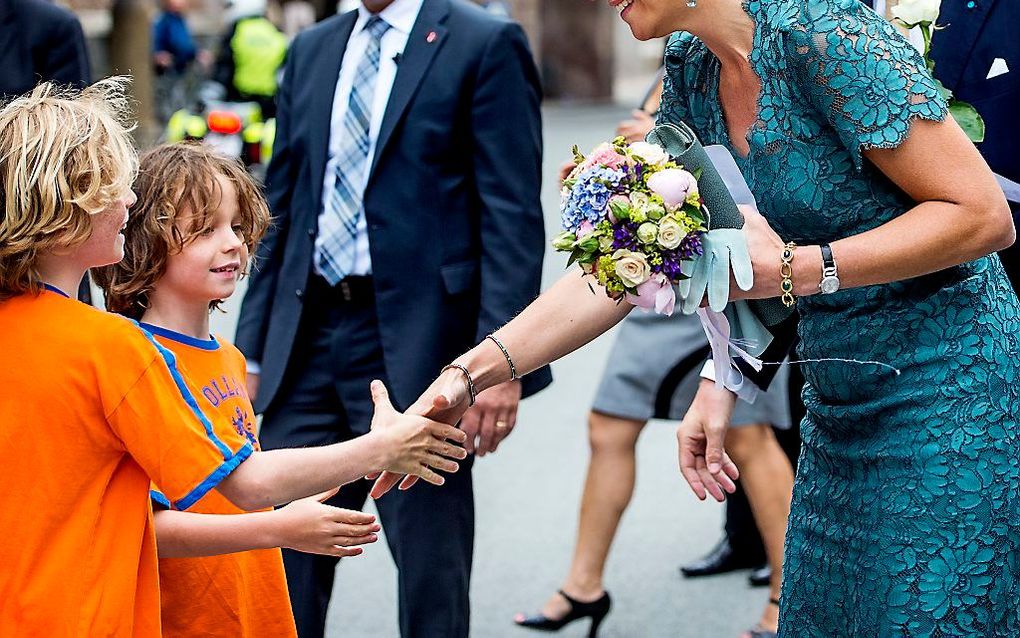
(651, 153)
(914, 12)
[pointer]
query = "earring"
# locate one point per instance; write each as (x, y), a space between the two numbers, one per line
(692, 3)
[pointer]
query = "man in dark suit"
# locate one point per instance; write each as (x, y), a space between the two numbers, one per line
(41, 42)
(405, 184)
(977, 56)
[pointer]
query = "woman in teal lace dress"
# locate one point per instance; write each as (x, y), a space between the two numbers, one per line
(906, 512)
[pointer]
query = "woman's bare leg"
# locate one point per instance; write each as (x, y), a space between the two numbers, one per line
(607, 492)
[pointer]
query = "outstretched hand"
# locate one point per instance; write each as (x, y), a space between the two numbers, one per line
(309, 525)
(417, 445)
(446, 401)
(704, 463)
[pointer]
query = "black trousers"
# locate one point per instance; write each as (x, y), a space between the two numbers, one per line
(430, 531)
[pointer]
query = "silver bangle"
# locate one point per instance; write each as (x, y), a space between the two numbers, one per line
(506, 353)
(472, 392)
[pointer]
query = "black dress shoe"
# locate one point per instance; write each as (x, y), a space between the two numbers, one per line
(723, 558)
(760, 576)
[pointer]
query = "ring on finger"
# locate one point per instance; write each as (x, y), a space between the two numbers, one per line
(501, 424)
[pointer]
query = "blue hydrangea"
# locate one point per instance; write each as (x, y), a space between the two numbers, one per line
(589, 198)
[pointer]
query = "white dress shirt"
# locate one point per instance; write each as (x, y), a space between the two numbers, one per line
(401, 16)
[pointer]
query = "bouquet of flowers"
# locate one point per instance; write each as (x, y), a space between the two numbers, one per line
(631, 217)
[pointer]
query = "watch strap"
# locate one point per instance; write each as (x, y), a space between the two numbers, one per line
(828, 263)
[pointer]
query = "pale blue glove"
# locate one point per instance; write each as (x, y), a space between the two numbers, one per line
(725, 250)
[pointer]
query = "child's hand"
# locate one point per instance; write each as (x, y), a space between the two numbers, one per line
(414, 445)
(308, 525)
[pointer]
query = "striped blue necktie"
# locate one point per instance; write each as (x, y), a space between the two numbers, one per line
(338, 223)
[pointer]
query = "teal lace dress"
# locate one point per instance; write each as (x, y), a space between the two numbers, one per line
(906, 511)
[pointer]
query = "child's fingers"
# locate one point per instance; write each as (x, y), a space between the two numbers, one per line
(381, 397)
(352, 517)
(448, 450)
(408, 482)
(442, 464)
(443, 431)
(343, 552)
(353, 540)
(343, 530)
(428, 475)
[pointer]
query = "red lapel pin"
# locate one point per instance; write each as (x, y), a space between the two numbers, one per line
(431, 37)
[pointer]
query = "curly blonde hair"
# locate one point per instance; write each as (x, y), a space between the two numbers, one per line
(64, 155)
(178, 189)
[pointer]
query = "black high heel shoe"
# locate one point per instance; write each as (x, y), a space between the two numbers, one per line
(596, 610)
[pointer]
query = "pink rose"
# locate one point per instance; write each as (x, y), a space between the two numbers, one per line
(586, 228)
(604, 154)
(655, 294)
(673, 185)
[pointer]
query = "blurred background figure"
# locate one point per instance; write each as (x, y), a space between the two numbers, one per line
(251, 55)
(174, 56)
(41, 42)
(653, 372)
(297, 15)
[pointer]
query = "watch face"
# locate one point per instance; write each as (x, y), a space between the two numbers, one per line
(829, 285)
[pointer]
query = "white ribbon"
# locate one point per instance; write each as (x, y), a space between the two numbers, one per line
(727, 374)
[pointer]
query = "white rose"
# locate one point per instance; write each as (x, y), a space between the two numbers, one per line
(914, 12)
(670, 234)
(652, 154)
(632, 268)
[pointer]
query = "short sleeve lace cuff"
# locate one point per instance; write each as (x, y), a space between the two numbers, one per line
(862, 75)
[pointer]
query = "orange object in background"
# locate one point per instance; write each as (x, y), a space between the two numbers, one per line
(224, 122)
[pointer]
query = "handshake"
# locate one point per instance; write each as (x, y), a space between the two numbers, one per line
(424, 439)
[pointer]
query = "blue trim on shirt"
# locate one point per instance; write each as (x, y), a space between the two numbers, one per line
(173, 335)
(56, 290)
(189, 398)
(215, 478)
(160, 499)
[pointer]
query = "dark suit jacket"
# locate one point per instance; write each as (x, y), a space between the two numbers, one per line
(452, 204)
(964, 52)
(40, 41)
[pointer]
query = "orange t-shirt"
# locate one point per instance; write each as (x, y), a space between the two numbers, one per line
(240, 595)
(91, 411)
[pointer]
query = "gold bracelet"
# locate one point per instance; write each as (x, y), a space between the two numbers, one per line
(786, 271)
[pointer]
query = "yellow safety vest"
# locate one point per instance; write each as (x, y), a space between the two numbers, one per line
(259, 49)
